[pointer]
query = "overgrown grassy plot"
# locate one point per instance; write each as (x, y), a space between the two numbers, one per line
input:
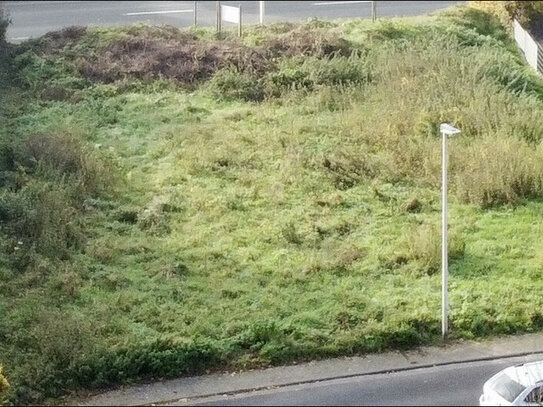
(274, 200)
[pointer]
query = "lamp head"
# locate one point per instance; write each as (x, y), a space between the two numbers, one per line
(448, 130)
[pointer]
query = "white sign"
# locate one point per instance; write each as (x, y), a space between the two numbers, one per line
(230, 14)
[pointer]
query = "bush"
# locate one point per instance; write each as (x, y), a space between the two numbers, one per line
(308, 41)
(4, 23)
(37, 72)
(4, 50)
(4, 386)
(229, 83)
(40, 220)
(289, 76)
(526, 12)
(496, 8)
(163, 357)
(310, 72)
(337, 70)
(477, 20)
(48, 179)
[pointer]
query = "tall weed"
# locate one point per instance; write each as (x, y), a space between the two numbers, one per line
(498, 170)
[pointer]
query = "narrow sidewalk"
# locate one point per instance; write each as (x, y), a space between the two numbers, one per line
(228, 383)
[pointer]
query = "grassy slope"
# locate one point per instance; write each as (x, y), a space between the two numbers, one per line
(242, 234)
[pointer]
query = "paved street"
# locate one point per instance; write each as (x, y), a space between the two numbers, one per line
(453, 385)
(35, 18)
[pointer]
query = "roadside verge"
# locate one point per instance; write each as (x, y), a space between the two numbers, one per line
(239, 382)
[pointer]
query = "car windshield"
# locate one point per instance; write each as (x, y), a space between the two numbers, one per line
(507, 388)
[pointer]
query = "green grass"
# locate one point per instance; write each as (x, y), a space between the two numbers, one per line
(156, 227)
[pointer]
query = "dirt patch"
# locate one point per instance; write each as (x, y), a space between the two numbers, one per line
(187, 61)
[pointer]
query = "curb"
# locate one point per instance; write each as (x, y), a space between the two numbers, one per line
(338, 377)
(238, 382)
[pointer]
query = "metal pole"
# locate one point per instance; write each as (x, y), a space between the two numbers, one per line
(195, 13)
(444, 260)
(239, 26)
(218, 7)
(373, 11)
(261, 12)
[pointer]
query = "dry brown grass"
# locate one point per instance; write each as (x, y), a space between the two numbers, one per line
(148, 53)
(187, 61)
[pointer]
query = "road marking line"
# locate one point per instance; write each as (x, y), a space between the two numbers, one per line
(330, 3)
(158, 12)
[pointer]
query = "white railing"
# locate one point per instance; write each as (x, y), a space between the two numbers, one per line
(533, 51)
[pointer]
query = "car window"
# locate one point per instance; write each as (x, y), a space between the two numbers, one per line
(507, 388)
(535, 396)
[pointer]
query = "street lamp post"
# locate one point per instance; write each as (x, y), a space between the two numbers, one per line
(446, 131)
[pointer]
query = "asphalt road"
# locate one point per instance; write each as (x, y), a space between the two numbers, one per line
(35, 18)
(458, 384)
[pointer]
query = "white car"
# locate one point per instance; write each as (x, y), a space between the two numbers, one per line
(520, 385)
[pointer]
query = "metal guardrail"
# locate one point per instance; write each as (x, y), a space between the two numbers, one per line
(540, 58)
(530, 47)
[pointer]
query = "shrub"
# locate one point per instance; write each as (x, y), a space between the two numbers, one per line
(337, 70)
(4, 386)
(64, 155)
(309, 72)
(478, 20)
(526, 12)
(229, 83)
(162, 357)
(4, 49)
(41, 220)
(496, 8)
(4, 23)
(286, 78)
(54, 342)
(51, 179)
(308, 41)
(35, 71)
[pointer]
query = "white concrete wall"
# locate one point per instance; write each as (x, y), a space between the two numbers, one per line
(526, 43)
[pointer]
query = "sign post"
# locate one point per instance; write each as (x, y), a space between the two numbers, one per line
(218, 10)
(239, 19)
(261, 12)
(232, 15)
(195, 13)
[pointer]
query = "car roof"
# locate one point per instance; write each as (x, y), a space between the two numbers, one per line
(527, 374)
